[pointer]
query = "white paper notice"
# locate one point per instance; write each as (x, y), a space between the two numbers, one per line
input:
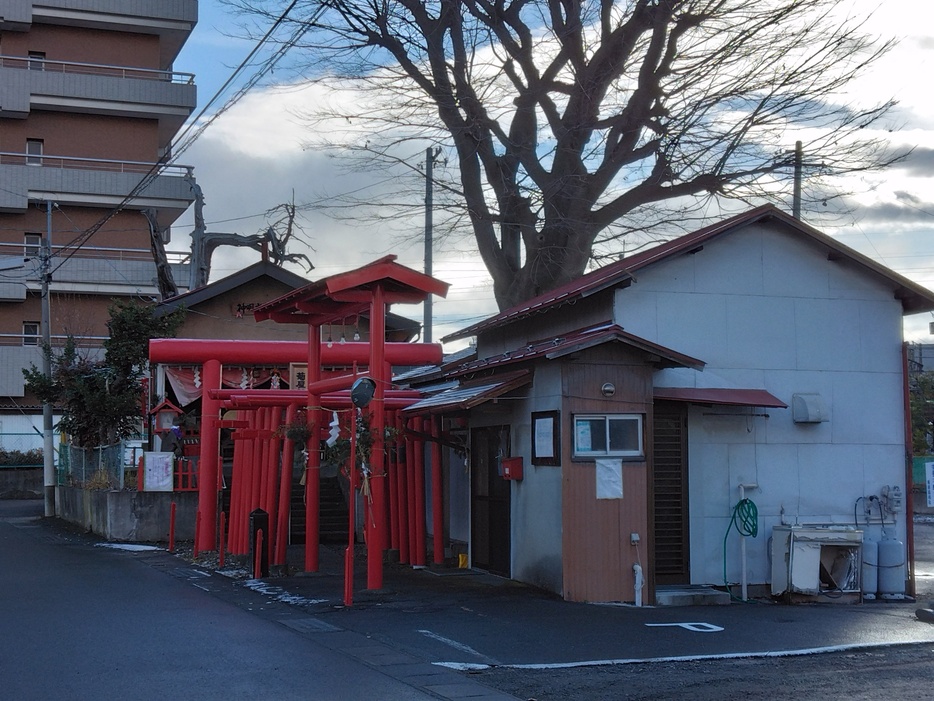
(157, 471)
(609, 479)
(544, 438)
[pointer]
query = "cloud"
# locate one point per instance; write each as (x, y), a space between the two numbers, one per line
(250, 160)
(919, 163)
(909, 209)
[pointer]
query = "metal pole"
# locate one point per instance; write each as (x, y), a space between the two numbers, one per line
(48, 447)
(430, 155)
(742, 542)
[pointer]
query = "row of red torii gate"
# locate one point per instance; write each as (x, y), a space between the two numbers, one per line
(393, 481)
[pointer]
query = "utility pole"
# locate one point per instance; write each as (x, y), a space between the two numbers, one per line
(796, 197)
(48, 447)
(431, 155)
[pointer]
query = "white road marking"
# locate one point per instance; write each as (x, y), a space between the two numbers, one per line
(453, 643)
(694, 627)
(467, 666)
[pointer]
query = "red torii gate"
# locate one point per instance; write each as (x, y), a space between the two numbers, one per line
(212, 354)
(370, 288)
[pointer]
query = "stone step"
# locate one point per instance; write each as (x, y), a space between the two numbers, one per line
(690, 596)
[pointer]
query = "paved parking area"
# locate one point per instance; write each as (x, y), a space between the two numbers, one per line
(469, 620)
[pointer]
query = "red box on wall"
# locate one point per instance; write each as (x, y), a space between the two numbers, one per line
(512, 468)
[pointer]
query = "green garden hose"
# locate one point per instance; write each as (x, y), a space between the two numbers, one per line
(746, 521)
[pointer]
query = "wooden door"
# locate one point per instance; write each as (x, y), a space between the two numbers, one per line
(489, 495)
(670, 481)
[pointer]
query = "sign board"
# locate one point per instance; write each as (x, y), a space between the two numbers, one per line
(158, 471)
(929, 480)
(298, 375)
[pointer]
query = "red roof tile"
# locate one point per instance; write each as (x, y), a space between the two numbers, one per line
(573, 341)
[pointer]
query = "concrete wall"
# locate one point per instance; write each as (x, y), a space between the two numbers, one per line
(765, 309)
(127, 515)
(18, 482)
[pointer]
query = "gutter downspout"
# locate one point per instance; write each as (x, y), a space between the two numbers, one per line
(909, 477)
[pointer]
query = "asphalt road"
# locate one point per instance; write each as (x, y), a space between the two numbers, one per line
(882, 672)
(80, 621)
(114, 623)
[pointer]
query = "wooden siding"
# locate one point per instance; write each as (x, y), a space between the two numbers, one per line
(598, 557)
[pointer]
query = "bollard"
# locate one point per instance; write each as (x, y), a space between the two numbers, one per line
(172, 527)
(258, 558)
(259, 542)
(194, 546)
(222, 543)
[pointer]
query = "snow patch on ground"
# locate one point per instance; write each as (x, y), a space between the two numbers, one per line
(280, 594)
(131, 547)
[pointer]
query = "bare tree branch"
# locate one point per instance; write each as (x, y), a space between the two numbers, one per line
(569, 124)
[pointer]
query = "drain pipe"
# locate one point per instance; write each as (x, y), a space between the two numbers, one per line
(640, 582)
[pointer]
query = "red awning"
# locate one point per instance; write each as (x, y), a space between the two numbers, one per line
(735, 397)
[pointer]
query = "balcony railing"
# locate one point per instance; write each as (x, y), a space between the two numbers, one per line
(41, 64)
(75, 163)
(84, 342)
(31, 252)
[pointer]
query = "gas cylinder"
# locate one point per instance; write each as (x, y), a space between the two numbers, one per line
(891, 568)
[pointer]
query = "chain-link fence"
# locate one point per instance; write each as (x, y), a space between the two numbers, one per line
(20, 450)
(103, 467)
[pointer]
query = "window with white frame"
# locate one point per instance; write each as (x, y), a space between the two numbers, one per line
(34, 150)
(30, 333)
(32, 245)
(36, 60)
(608, 435)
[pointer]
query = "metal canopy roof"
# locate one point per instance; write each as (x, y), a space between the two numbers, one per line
(470, 394)
(734, 397)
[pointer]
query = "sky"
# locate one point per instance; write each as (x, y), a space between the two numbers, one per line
(252, 159)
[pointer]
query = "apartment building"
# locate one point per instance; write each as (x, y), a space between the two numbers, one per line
(89, 102)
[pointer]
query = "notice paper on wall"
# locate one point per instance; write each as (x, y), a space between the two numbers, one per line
(609, 479)
(158, 471)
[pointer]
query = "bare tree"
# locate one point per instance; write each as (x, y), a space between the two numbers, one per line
(570, 123)
(272, 243)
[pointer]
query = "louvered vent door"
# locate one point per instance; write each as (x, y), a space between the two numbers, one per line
(672, 543)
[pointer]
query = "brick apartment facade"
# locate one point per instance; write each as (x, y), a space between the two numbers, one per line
(89, 101)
